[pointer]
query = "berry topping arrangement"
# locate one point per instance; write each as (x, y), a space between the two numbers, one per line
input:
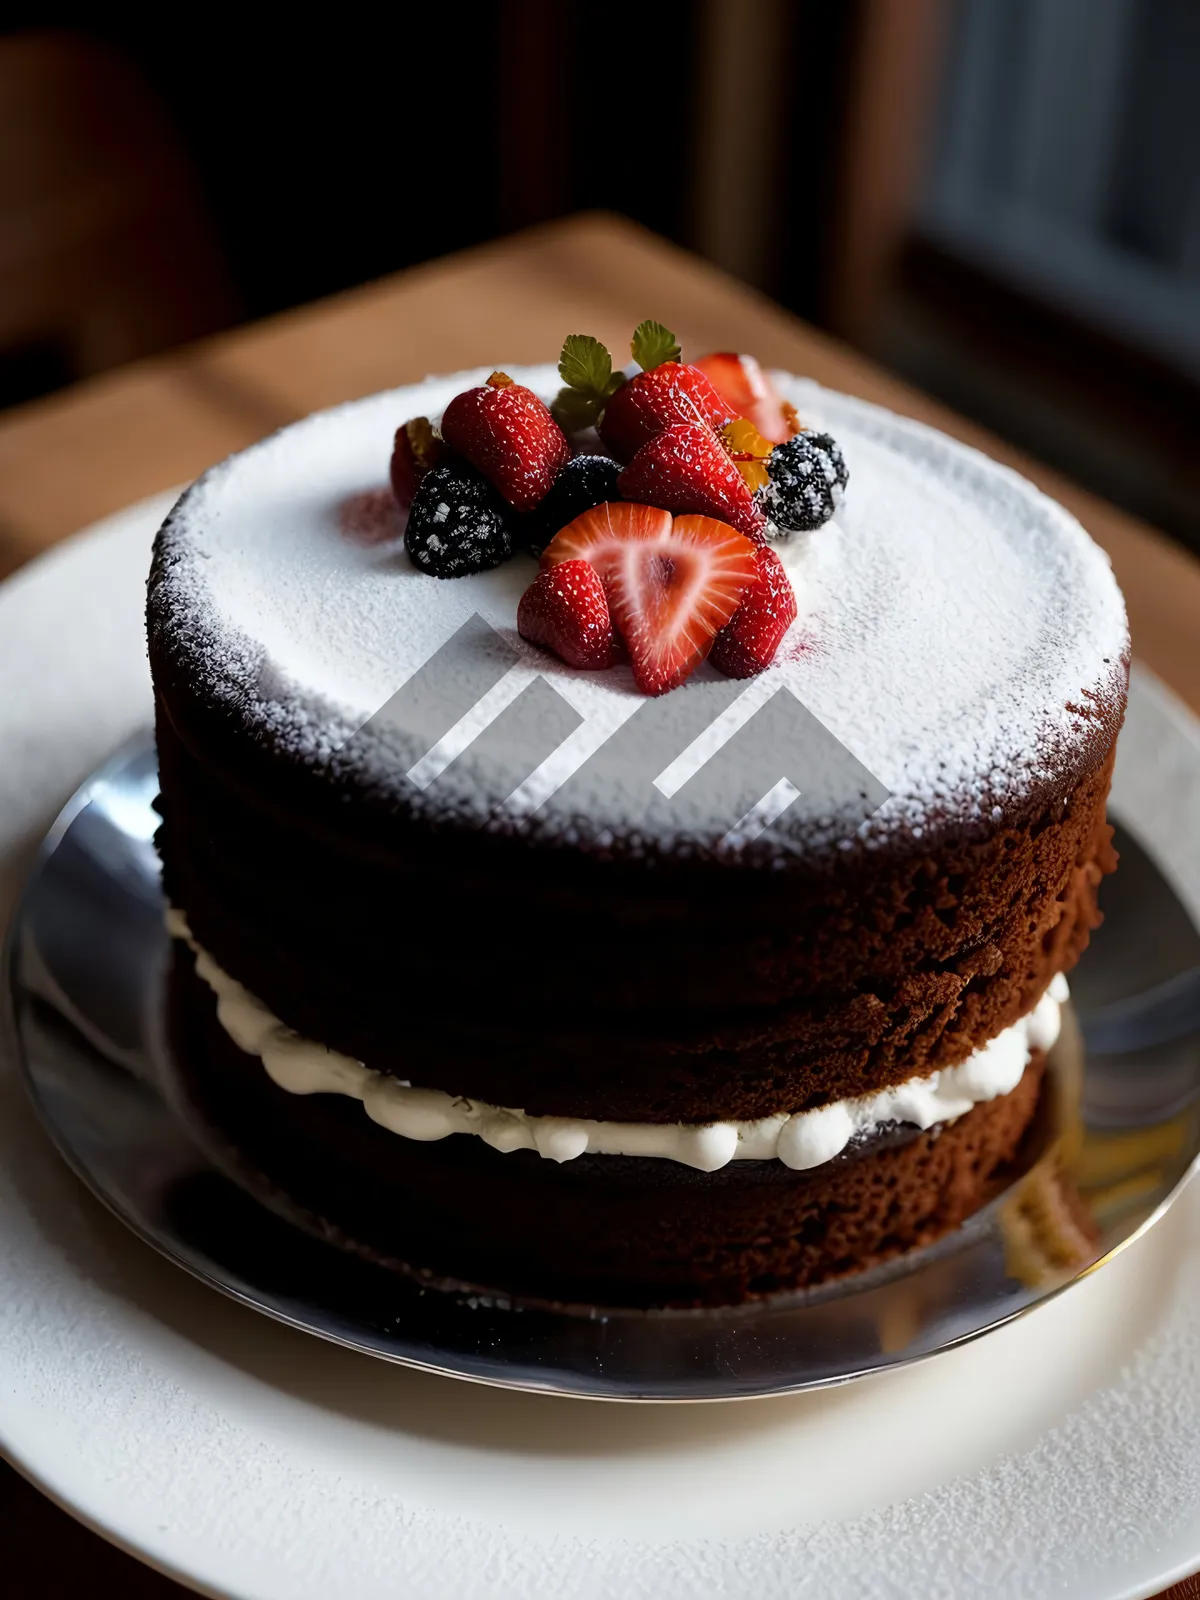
(649, 495)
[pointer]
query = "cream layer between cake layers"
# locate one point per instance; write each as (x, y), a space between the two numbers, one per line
(800, 1140)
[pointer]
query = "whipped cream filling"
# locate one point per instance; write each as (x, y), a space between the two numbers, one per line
(800, 1140)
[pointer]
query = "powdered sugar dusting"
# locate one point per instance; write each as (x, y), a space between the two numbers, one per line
(962, 633)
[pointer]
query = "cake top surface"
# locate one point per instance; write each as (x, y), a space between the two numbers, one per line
(960, 641)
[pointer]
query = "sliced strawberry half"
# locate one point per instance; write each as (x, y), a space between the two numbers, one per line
(687, 468)
(565, 610)
(746, 645)
(672, 582)
(745, 387)
(652, 401)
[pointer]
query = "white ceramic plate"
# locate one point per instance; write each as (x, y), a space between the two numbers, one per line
(1060, 1455)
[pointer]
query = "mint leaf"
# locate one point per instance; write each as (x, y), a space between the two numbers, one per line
(585, 364)
(573, 410)
(652, 344)
(586, 370)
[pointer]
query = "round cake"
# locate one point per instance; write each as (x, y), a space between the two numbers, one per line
(505, 972)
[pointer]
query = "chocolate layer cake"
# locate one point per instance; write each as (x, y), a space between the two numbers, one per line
(643, 1001)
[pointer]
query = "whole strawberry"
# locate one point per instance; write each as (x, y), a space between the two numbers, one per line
(643, 407)
(687, 468)
(508, 434)
(746, 645)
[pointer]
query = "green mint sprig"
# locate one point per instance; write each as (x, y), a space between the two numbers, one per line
(589, 381)
(652, 344)
(586, 370)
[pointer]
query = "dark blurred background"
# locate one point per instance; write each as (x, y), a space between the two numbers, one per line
(998, 198)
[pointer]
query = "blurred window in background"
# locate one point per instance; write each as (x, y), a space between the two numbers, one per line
(1068, 160)
(1051, 279)
(105, 251)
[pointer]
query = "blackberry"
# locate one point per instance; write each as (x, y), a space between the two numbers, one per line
(457, 523)
(583, 483)
(806, 476)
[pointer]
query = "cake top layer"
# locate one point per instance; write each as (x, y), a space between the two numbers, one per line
(961, 647)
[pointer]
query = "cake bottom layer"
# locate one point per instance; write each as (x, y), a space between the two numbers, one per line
(602, 1230)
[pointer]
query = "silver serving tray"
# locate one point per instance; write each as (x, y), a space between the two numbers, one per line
(1120, 1129)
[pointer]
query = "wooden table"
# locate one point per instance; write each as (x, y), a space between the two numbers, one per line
(72, 458)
